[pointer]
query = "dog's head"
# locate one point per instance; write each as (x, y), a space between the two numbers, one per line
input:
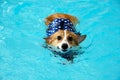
(64, 40)
(61, 32)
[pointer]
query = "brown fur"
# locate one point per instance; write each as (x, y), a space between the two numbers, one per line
(52, 40)
(50, 18)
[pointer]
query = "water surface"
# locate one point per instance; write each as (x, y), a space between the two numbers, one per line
(22, 30)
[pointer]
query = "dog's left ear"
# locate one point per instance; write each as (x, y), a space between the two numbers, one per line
(81, 38)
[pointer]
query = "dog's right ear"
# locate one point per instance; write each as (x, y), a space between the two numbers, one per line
(48, 40)
(44, 38)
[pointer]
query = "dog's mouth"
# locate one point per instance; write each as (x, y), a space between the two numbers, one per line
(64, 50)
(68, 54)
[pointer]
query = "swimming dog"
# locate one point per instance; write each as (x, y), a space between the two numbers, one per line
(62, 37)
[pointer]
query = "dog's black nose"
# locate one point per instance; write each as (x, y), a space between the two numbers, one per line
(64, 46)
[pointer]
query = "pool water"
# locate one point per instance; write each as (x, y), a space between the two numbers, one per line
(22, 30)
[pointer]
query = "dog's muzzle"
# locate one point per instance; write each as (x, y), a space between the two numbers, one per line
(64, 47)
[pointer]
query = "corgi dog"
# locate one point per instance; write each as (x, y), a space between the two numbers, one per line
(62, 38)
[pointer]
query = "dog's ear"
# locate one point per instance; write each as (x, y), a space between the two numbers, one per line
(81, 38)
(48, 40)
(45, 39)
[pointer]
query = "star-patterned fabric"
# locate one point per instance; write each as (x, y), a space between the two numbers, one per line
(60, 24)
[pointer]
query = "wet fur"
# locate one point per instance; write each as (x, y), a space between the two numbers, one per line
(50, 18)
(52, 40)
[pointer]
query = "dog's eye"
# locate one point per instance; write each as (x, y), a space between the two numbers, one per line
(59, 37)
(70, 38)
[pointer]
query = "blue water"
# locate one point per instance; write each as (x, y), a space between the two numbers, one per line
(22, 30)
